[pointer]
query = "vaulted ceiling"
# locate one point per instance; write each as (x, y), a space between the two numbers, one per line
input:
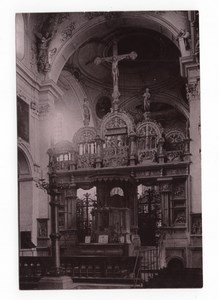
(78, 38)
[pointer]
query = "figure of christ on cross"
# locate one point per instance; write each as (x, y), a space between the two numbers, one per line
(115, 71)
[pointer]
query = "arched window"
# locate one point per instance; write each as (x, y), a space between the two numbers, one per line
(148, 134)
(117, 191)
(23, 165)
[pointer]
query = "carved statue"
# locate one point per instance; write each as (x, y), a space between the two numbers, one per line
(147, 101)
(42, 47)
(186, 37)
(115, 59)
(86, 113)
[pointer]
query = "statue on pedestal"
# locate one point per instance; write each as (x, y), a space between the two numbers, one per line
(42, 47)
(147, 101)
(86, 113)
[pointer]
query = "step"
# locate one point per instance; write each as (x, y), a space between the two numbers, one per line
(107, 280)
(80, 286)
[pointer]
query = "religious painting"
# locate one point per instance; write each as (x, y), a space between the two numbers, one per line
(22, 119)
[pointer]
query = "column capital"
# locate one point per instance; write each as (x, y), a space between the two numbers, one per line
(49, 93)
(193, 90)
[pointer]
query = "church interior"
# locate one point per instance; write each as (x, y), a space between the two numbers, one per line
(109, 150)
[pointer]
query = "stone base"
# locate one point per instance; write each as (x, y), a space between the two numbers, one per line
(55, 283)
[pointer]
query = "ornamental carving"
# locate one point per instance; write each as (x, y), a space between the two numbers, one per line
(165, 187)
(67, 33)
(43, 41)
(175, 136)
(34, 107)
(52, 54)
(180, 218)
(150, 155)
(174, 145)
(181, 171)
(86, 161)
(179, 190)
(148, 133)
(196, 224)
(115, 156)
(117, 121)
(193, 91)
(174, 156)
(63, 147)
(84, 135)
(44, 109)
(107, 15)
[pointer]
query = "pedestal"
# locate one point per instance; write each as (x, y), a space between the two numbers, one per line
(55, 283)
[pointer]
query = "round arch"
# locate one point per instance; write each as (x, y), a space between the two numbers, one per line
(79, 93)
(26, 160)
(81, 34)
(175, 262)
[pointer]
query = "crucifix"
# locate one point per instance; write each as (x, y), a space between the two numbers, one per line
(114, 60)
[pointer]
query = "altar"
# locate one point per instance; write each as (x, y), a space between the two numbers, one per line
(113, 223)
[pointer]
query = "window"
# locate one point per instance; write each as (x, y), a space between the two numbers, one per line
(117, 191)
(42, 228)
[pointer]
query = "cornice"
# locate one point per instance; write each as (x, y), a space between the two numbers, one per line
(52, 87)
(34, 82)
(27, 75)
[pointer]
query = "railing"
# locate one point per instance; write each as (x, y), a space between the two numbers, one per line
(78, 267)
(149, 263)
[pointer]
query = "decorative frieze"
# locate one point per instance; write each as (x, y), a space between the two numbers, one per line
(148, 173)
(179, 190)
(193, 91)
(52, 53)
(165, 187)
(107, 15)
(196, 224)
(67, 33)
(177, 171)
(34, 108)
(44, 109)
(42, 42)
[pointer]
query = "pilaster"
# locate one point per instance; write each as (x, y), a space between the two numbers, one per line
(49, 94)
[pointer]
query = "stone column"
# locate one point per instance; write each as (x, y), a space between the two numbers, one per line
(133, 148)
(165, 191)
(71, 229)
(49, 93)
(98, 151)
(160, 154)
(193, 96)
(55, 235)
(133, 247)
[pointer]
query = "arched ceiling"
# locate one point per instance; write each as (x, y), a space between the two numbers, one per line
(78, 38)
(157, 61)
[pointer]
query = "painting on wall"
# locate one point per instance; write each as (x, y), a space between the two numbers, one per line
(22, 119)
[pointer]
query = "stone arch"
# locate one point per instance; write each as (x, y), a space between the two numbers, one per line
(170, 100)
(175, 264)
(80, 35)
(77, 89)
(25, 161)
(23, 164)
(117, 117)
(84, 134)
(174, 102)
